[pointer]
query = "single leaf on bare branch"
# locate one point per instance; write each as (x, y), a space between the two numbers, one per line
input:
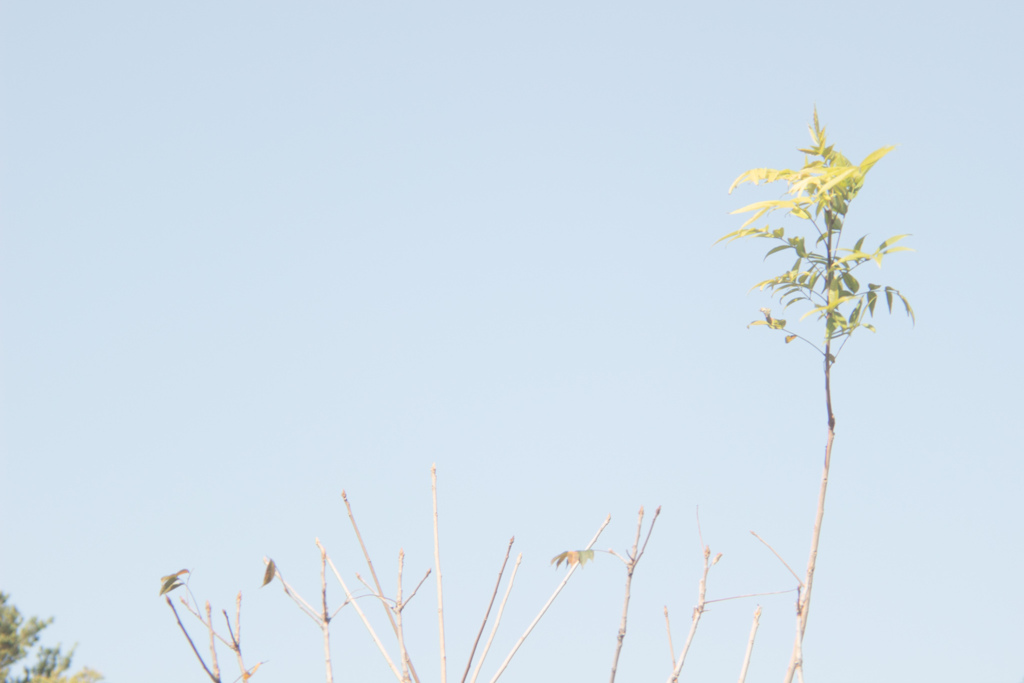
(268, 575)
(572, 558)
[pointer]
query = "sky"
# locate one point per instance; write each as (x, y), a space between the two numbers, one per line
(255, 254)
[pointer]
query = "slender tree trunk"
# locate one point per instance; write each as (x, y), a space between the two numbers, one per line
(803, 606)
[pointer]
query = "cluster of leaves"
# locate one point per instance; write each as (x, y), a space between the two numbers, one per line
(820, 193)
(572, 558)
(18, 636)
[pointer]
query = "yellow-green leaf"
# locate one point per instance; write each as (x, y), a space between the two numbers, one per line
(572, 558)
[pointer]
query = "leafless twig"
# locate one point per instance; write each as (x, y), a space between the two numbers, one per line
(544, 609)
(490, 604)
(215, 679)
(634, 557)
(497, 618)
(768, 545)
(668, 629)
(750, 644)
(373, 573)
(698, 610)
(437, 565)
(366, 622)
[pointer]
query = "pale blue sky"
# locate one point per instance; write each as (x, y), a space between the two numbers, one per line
(255, 253)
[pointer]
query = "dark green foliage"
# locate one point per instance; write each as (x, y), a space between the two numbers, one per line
(18, 636)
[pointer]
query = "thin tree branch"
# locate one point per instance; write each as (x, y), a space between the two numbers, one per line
(213, 644)
(750, 645)
(325, 619)
(544, 609)
(399, 607)
(497, 618)
(668, 630)
(490, 604)
(215, 679)
(634, 557)
(698, 610)
(767, 545)
(290, 592)
(437, 564)
(373, 573)
(366, 622)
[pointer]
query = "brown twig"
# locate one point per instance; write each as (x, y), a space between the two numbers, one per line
(366, 622)
(215, 679)
(399, 605)
(291, 593)
(437, 565)
(750, 644)
(634, 557)
(803, 606)
(325, 618)
(544, 609)
(750, 595)
(698, 610)
(668, 629)
(497, 618)
(213, 644)
(490, 604)
(767, 545)
(373, 573)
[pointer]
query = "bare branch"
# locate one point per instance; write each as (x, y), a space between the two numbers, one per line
(799, 582)
(325, 618)
(634, 558)
(750, 645)
(490, 604)
(437, 565)
(373, 573)
(497, 618)
(215, 679)
(290, 592)
(668, 629)
(544, 609)
(366, 622)
(698, 610)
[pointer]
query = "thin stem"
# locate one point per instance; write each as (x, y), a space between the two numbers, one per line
(804, 603)
(483, 624)
(544, 609)
(403, 654)
(497, 618)
(668, 630)
(298, 599)
(767, 545)
(634, 558)
(750, 645)
(325, 619)
(698, 610)
(373, 573)
(215, 679)
(366, 622)
(437, 565)
(213, 644)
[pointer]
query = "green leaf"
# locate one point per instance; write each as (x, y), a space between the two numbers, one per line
(851, 282)
(910, 311)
